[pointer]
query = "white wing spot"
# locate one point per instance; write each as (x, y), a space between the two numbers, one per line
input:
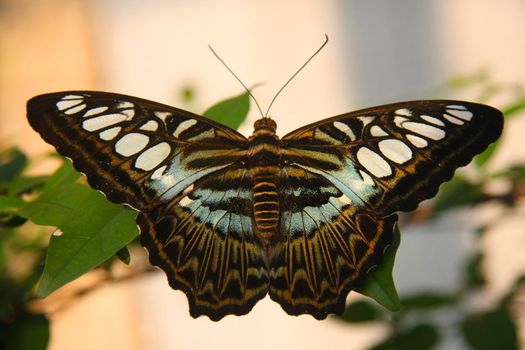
(417, 141)
(95, 111)
(366, 120)
(183, 126)
(395, 150)
(103, 121)
(377, 131)
(367, 179)
(465, 115)
(151, 125)
(73, 97)
(399, 121)
(125, 105)
(129, 113)
(110, 134)
(321, 135)
(162, 115)
(185, 201)
(75, 109)
(158, 173)
(345, 200)
(153, 156)
(131, 144)
(426, 130)
(208, 134)
(66, 104)
(432, 120)
(403, 111)
(453, 120)
(345, 129)
(457, 107)
(373, 162)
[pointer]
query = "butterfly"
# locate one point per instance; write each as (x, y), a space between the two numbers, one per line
(231, 219)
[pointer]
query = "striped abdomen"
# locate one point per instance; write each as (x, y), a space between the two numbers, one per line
(264, 161)
(265, 201)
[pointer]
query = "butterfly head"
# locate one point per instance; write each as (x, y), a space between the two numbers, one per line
(266, 124)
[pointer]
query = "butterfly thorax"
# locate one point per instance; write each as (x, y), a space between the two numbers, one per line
(263, 155)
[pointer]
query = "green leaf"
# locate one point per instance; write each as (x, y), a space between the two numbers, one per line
(123, 255)
(481, 159)
(187, 93)
(25, 184)
(379, 284)
(66, 174)
(9, 207)
(421, 337)
(28, 332)
(468, 80)
(513, 109)
(231, 112)
(490, 330)
(93, 230)
(10, 204)
(514, 173)
(473, 271)
(455, 193)
(361, 311)
(427, 301)
(12, 163)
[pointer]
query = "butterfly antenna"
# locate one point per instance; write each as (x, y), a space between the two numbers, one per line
(239, 80)
(293, 76)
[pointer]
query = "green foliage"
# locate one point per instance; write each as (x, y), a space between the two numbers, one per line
(379, 284)
(425, 301)
(92, 231)
(474, 276)
(488, 330)
(231, 112)
(124, 255)
(12, 163)
(362, 311)
(20, 328)
(421, 337)
(457, 192)
(28, 332)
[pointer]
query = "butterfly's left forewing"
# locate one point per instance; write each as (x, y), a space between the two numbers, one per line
(325, 245)
(390, 158)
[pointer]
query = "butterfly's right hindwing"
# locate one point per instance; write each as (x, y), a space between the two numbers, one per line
(206, 244)
(136, 151)
(389, 158)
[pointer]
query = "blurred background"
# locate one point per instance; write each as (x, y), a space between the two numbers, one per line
(379, 52)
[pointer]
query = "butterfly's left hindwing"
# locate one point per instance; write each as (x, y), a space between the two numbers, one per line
(136, 151)
(390, 158)
(325, 245)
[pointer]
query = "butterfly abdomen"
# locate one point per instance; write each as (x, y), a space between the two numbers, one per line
(265, 201)
(264, 167)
